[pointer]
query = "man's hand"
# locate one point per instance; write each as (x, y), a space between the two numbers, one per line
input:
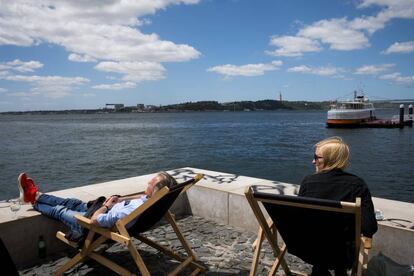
(107, 205)
(111, 201)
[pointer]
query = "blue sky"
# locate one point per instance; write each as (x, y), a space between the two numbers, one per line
(83, 54)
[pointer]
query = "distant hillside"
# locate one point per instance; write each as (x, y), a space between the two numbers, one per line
(245, 106)
(215, 106)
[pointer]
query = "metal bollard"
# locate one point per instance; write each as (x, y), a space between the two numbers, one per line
(401, 115)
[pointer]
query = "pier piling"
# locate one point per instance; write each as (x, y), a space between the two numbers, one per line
(401, 115)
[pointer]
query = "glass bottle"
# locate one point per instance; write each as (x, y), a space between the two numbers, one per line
(41, 246)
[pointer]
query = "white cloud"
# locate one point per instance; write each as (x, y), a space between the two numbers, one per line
(104, 30)
(368, 23)
(134, 71)
(5, 103)
(341, 33)
(291, 46)
(89, 95)
(337, 33)
(49, 86)
(373, 69)
(81, 58)
(93, 30)
(393, 8)
(2, 90)
(115, 86)
(20, 66)
(397, 78)
(401, 47)
(327, 71)
(390, 9)
(248, 70)
(20, 94)
(300, 69)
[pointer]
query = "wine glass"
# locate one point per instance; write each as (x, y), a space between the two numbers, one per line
(14, 206)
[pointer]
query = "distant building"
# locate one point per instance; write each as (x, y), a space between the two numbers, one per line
(114, 106)
(151, 107)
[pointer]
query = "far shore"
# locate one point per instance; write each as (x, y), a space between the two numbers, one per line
(210, 106)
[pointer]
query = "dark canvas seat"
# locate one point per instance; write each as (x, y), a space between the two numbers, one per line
(8, 267)
(149, 213)
(321, 232)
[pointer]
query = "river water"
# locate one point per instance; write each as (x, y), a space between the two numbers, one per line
(64, 151)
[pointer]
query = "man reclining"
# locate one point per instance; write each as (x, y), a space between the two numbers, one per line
(65, 209)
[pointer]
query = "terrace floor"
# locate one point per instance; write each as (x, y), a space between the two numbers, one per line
(224, 250)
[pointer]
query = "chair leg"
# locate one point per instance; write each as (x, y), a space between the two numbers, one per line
(184, 242)
(180, 236)
(110, 264)
(83, 253)
(285, 267)
(271, 226)
(181, 267)
(138, 259)
(361, 262)
(257, 247)
(279, 261)
(71, 263)
(195, 272)
(271, 235)
(167, 251)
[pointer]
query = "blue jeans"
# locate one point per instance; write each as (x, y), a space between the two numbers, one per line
(62, 209)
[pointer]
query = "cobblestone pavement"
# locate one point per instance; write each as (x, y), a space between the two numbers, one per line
(224, 250)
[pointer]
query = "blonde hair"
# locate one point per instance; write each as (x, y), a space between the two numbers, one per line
(165, 180)
(335, 153)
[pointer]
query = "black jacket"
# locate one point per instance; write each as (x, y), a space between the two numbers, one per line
(339, 185)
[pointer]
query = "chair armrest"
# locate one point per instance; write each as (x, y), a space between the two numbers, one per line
(108, 233)
(84, 221)
(366, 242)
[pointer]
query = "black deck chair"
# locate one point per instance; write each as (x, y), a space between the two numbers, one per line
(8, 267)
(320, 232)
(149, 213)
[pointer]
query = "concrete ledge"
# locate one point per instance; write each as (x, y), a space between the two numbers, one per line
(219, 197)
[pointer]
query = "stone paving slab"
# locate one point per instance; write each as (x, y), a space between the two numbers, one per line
(224, 250)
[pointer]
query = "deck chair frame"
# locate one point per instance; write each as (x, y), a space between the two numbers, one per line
(97, 236)
(268, 230)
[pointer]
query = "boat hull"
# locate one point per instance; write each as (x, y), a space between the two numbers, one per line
(366, 124)
(351, 115)
(346, 121)
(349, 118)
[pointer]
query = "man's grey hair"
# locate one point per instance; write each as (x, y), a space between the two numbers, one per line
(166, 180)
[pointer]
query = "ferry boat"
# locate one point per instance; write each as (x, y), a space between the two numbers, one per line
(351, 113)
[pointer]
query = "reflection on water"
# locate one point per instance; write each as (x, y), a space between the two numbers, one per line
(63, 151)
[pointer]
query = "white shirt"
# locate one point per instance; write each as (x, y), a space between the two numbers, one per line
(120, 210)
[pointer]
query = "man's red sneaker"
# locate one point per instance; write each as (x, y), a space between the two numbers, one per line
(28, 189)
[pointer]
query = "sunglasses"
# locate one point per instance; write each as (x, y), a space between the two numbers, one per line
(316, 157)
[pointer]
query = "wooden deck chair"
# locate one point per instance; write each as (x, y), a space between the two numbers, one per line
(148, 215)
(320, 232)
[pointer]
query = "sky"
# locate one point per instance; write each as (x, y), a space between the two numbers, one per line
(73, 54)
